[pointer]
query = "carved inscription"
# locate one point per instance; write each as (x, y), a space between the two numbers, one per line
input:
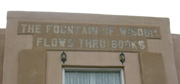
(79, 36)
(56, 42)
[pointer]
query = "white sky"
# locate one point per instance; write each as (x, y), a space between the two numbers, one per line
(153, 8)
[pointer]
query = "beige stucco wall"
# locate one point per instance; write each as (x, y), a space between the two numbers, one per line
(176, 44)
(15, 43)
(2, 43)
(93, 59)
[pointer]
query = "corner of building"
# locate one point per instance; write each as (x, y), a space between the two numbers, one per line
(176, 43)
(2, 43)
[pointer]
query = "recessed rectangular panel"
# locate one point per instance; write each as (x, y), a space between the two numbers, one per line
(89, 36)
(152, 68)
(32, 67)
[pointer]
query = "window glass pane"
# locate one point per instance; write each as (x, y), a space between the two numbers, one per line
(77, 77)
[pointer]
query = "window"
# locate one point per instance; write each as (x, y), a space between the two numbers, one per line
(93, 76)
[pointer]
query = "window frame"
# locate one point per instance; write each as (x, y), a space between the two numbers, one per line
(121, 70)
